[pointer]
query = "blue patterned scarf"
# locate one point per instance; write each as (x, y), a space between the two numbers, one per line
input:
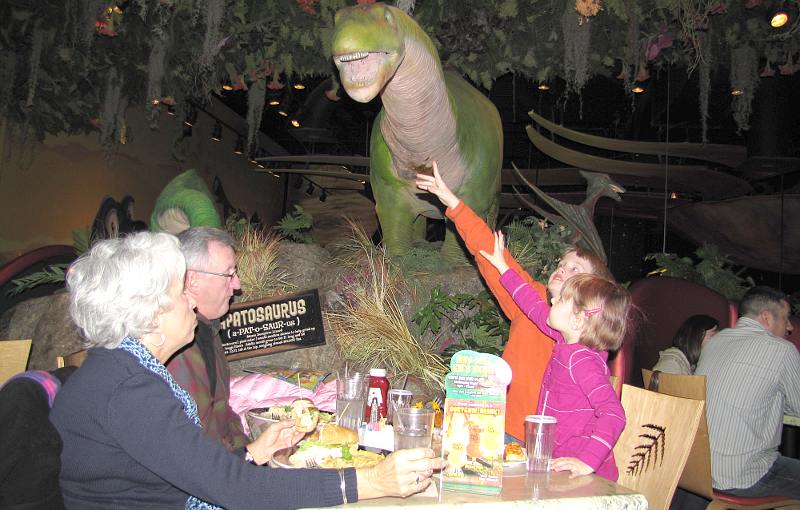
(148, 361)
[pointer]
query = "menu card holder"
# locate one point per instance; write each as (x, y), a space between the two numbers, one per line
(474, 423)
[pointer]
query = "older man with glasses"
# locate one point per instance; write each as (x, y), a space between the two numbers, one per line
(201, 368)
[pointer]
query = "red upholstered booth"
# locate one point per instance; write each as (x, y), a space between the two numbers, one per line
(662, 304)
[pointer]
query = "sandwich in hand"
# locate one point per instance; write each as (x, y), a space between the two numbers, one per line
(305, 415)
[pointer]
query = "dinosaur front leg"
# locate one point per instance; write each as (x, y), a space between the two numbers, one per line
(398, 227)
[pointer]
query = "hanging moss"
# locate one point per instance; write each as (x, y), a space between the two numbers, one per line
(577, 35)
(35, 59)
(111, 102)
(704, 79)
(155, 75)
(744, 81)
(256, 98)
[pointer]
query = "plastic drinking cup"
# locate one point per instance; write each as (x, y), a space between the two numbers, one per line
(397, 399)
(351, 399)
(539, 435)
(413, 427)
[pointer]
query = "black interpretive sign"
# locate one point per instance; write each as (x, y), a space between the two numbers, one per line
(268, 326)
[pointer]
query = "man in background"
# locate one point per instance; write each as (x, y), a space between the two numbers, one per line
(753, 379)
(201, 368)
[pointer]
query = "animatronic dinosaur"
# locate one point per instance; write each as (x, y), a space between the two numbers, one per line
(184, 202)
(428, 114)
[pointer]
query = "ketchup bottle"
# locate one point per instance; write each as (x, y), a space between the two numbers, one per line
(378, 392)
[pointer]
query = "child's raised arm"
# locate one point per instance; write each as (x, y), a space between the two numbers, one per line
(434, 184)
(498, 258)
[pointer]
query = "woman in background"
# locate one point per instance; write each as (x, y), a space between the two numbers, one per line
(132, 437)
(682, 357)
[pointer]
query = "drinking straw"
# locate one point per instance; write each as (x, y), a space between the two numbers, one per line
(544, 405)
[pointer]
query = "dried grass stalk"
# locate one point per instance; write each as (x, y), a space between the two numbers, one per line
(258, 267)
(369, 325)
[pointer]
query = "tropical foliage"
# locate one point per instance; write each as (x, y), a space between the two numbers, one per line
(73, 66)
(712, 269)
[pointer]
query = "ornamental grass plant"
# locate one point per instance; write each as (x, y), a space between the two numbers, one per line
(368, 321)
(257, 262)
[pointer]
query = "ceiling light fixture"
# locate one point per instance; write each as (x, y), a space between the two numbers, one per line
(673, 196)
(736, 91)
(299, 86)
(239, 147)
(191, 115)
(216, 132)
(779, 18)
(638, 89)
(295, 123)
(323, 196)
(170, 109)
(544, 87)
(227, 86)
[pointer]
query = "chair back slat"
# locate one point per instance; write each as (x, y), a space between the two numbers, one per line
(13, 357)
(653, 448)
(696, 475)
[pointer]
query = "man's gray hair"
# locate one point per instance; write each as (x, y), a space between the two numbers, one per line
(194, 244)
(119, 286)
(761, 298)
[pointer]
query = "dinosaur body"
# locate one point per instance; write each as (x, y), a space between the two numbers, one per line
(184, 202)
(428, 114)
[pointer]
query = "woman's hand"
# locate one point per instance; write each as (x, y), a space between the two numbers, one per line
(277, 436)
(498, 258)
(437, 186)
(576, 467)
(403, 473)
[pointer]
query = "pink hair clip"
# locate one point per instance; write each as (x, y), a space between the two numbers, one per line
(592, 311)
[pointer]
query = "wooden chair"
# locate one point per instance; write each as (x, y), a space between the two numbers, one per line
(696, 475)
(13, 357)
(654, 446)
(74, 359)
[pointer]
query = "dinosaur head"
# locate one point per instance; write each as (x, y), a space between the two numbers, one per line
(368, 46)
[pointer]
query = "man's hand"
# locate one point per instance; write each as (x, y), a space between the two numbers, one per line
(575, 466)
(498, 258)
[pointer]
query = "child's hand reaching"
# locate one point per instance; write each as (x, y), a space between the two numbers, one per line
(498, 258)
(575, 466)
(437, 186)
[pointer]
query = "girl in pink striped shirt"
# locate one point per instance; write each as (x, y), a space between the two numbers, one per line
(586, 321)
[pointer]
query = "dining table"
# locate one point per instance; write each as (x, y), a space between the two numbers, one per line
(553, 490)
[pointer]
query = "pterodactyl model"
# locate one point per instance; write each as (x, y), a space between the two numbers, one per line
(579, 218)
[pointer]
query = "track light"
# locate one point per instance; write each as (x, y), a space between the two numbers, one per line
(638, 88)
(187, 131)
(255, 153)
(170, 109)
(295, 123)
(323, 196)
(191, 115)
(544, 87)
(298, 182)
(239, 147)
(737, 91)
(310, 189)
(299, 86)
(216, 132)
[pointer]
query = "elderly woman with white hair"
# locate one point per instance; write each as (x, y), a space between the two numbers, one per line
(132, 438)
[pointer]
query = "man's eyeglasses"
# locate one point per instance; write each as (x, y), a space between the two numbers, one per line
(224, 275)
